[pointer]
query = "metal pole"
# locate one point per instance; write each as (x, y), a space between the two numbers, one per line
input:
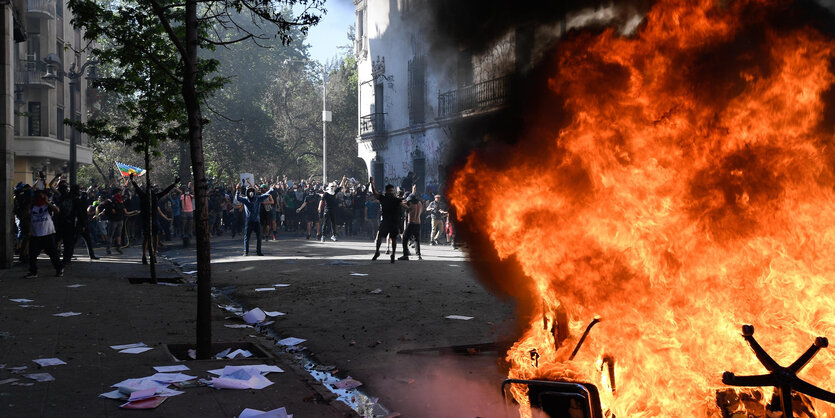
(324, 127)
(74, 92)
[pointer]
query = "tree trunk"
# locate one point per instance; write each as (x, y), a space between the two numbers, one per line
(184, 168)
(198, 165)
(149, 218)
(103, 177)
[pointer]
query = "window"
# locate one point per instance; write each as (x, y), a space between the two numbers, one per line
(417, 90)
(60, 124)
(59, 8)
(465, 68)
(34, 118)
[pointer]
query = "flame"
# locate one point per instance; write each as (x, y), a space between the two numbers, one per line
(690, 191)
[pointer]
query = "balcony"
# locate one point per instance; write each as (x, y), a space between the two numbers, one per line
(31, 73)
(474, 98)
(373, 125)
(42, 8)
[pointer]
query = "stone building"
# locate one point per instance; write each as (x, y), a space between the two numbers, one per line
(413, 91)
(50, 84)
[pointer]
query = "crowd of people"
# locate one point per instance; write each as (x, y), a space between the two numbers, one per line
(49, 216)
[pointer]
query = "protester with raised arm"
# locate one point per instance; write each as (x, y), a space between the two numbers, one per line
(252, 209)
(391, 215)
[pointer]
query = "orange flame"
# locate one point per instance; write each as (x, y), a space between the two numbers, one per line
(691, 191)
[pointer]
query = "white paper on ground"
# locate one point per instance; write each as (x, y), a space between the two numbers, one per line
(454, 265)
(290, 341)
(359, 274)
(31, 306)
(124, 346)
(142, 394)
(73, 286)
(461, 317)
(265, 289)
(239, 353)
(66, 314)
(170, 377)
(255, 413)
(241, 380)
(254, 368)
(272, 314)
(223, 353)
(43, 362)
(237, 325)
(281, 285)
(376, 291)
(114, 394)
(129, 386)
(254, 316)
(10, 380)
(264, 324)
(135, 350)
(40, 377)
(169, 369)
(190, 272)
(168, 284)
(21, 300)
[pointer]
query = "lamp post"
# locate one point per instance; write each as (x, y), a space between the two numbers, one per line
(326, 117)
(52, 62)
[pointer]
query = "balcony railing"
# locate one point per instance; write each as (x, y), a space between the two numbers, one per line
(45, 8)
(490, 93)
(373, 124)
(32, 73)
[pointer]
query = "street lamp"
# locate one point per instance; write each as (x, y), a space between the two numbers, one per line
(53, 71)
(326, 117)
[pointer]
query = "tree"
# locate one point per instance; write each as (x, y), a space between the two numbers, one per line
(187, 27)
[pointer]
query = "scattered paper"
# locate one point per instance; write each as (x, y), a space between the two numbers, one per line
(135, 350)
(265, 289)
(454, 265)
(348, 383)
(192, 353)
(237, 326)
(21, 300)
(190, 272)
(223, 353)
(239, 353)
(254, 368)
(73, 286)
(18, 370)
(254, 316)
(230, 308)
(168, 369)
(281, 285)
(66, 314)
(461, 317)
(264, 324)
(243, 377)
(149, 403)
(275, 413)
(291, 341)
(170, 377)
(142, 394)
(168, 284)
(10, 380)
(273, 314)
(359, 274)
(376, 291)
(22, 384)
(31, 306)
(124, 346)
(43, 362)
(40, 377)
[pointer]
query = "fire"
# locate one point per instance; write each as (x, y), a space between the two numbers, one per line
(691, 190)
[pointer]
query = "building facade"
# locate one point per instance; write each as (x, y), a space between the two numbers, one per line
(414, 90)
(50, 85)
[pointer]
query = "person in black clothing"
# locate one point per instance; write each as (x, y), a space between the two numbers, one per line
(64, 220)
(311, 218)
(408, 181)
(77, 223)
(331, 207)
(150, 217)
(392, 215)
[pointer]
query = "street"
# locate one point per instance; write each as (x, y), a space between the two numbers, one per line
(360, 332)
(354, 326)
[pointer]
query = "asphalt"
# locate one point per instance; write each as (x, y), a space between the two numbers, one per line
(113, 312)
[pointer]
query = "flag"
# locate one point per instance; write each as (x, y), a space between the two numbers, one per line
(127, 170)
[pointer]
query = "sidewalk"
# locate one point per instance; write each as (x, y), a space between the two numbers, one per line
(115, 312)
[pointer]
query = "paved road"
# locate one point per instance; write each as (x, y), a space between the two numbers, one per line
(358, 323)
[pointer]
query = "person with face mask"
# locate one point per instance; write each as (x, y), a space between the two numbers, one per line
(43, 235)
(252, 208)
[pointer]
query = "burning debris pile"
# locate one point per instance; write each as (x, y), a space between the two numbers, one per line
(691, 189)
